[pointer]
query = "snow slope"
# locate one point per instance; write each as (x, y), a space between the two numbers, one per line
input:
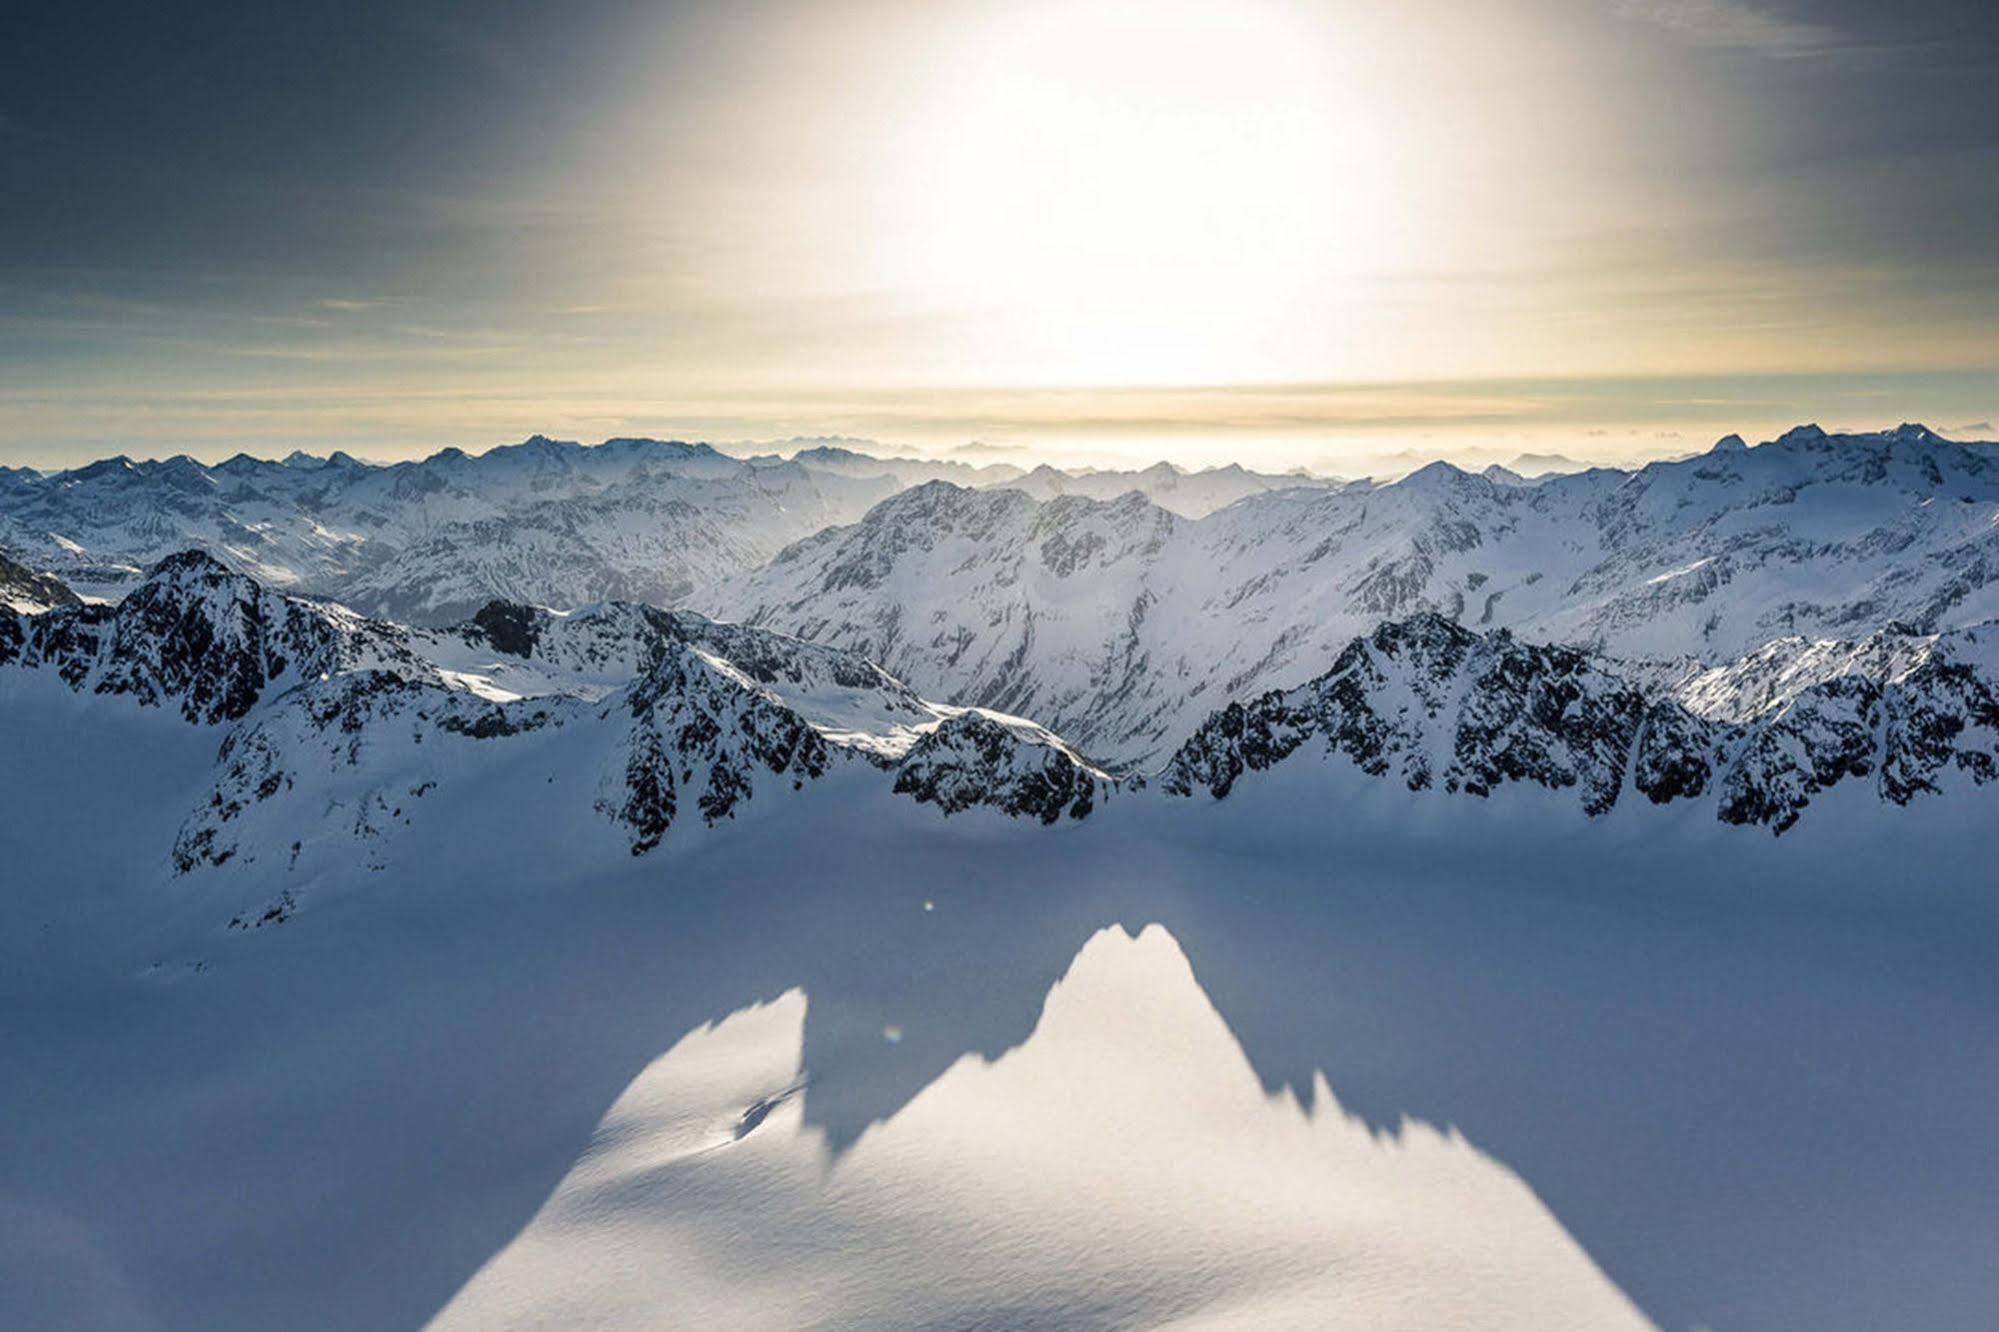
(622, 968)
(1224, 1064)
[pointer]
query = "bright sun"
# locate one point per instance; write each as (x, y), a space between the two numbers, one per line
(1124, 192)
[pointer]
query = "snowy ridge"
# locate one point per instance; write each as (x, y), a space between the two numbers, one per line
(29, 593)
(1122, 625)
(340, 726)
(343, 761)
(1432, 705)
(200, 638)
(986, 758)
(703, 736)
(1188, 494)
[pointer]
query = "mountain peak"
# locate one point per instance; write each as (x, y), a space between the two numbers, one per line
(194, 561)
(1436, 476)
(112, 466)
(1803, 434)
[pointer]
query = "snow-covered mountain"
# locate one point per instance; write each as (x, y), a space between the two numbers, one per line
(337, 730)
(338, 726)
(582, 945)
(1189, 494)
(26, 590)
(1428, 704)
(1121, 624)
(544, 521)
(841, 457)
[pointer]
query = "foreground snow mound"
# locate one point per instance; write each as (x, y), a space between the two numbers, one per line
(1430, 704)
(1211, 1204)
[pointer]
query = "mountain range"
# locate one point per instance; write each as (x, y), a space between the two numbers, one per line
(546, 521)
(1450, 893)
(335, 730)
(1122, 624)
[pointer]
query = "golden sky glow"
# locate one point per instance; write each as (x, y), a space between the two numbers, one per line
(1183, 227)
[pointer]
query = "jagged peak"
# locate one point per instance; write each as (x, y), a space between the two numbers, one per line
(112, 466)
(192, 561)
(646, 444)
(1802, 434)
(1436, 476)
(1423, 629)
(1730, 443)
(830, 453)
(944, 497)
(509, 626)
(979, 758)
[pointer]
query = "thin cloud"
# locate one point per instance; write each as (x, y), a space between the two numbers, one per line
(353, 305)
(1737, 24)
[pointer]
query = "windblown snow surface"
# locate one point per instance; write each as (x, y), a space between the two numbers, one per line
(1336, 1056)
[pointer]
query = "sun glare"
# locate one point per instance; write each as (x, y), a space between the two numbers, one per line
(1141, 193)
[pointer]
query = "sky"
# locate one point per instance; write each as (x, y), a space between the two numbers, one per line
(1283, 232)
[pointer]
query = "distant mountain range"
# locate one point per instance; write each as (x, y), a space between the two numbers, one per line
(1121, 624)
(545, 521)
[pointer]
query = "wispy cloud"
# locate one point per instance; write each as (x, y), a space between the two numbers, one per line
(354, 305)
(1736, 23)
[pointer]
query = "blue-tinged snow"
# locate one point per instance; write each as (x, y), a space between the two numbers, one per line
(1326, 1057)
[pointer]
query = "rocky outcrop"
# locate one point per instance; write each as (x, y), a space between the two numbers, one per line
(1431, 704)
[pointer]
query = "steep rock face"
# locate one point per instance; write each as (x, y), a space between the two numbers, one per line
(29, 592)
(977, 759)
(1433, 705)
(339, 730)
(195, 636)
(702, 742)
